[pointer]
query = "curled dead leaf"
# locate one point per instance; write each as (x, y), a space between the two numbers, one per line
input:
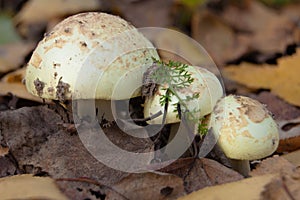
(289, 132)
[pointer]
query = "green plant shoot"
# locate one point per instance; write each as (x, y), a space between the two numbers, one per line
(173, 76)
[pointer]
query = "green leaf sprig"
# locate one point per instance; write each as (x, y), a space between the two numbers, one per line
(174, 76)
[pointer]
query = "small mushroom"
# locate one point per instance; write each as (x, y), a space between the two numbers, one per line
(205, 83)
(85, 56)
(245, 130)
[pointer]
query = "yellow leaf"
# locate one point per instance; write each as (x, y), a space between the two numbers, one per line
(283, 79)
(249, 189)
(17, 89)
(29, 187)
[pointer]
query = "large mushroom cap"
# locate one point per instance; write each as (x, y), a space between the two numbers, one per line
(205, 83)
(244, 128)
(86, 55)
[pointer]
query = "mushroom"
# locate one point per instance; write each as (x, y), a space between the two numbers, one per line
(245, 130)
(84, 57)
(209, 88)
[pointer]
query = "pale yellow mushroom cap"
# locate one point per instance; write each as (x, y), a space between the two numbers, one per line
(205, 83)
(83, 48)
(244, 128)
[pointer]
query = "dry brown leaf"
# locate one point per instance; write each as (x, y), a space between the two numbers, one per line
(285, 186)
(218, 38)
(289, 132)
(291, 11)
(246, 189)
(200, 173)
(293, 157)
(273, 165)
(148, 186)
(278, 107)
(283, 79)
(251, 18)
(184, 49)
(36, 11)
(29, 187)
(141, 13)
(269, 31)
(12, 55)
(274, 37)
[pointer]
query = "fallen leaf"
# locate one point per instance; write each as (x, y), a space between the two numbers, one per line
(36, 138)
(147, 186)
(200, 173)
(285, 186)
(283, 79)
(289, 133)
(293, 157)
(12, 55)
(280, 34)
(36, 11)
(246, 189)
(19, 90)
(250, 19)
(141, 13)
(217, 37)
(35, 14)
(278, 107)
(78, 190)
(185, 49)
(13, 83)
(16, 76)
(272, 165)
(29, 187)
(268, 31)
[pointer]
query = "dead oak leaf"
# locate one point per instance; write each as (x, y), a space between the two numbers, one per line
(283, 79)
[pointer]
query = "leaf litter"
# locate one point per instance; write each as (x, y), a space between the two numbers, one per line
(42, 140)
(282, 79)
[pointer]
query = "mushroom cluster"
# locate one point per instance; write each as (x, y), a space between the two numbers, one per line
(87, 55)
(243, 128)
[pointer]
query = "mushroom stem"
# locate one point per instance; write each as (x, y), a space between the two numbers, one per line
(104, 110)
(241, 166)
(84, 110)
(90, 109)
(181, 139)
